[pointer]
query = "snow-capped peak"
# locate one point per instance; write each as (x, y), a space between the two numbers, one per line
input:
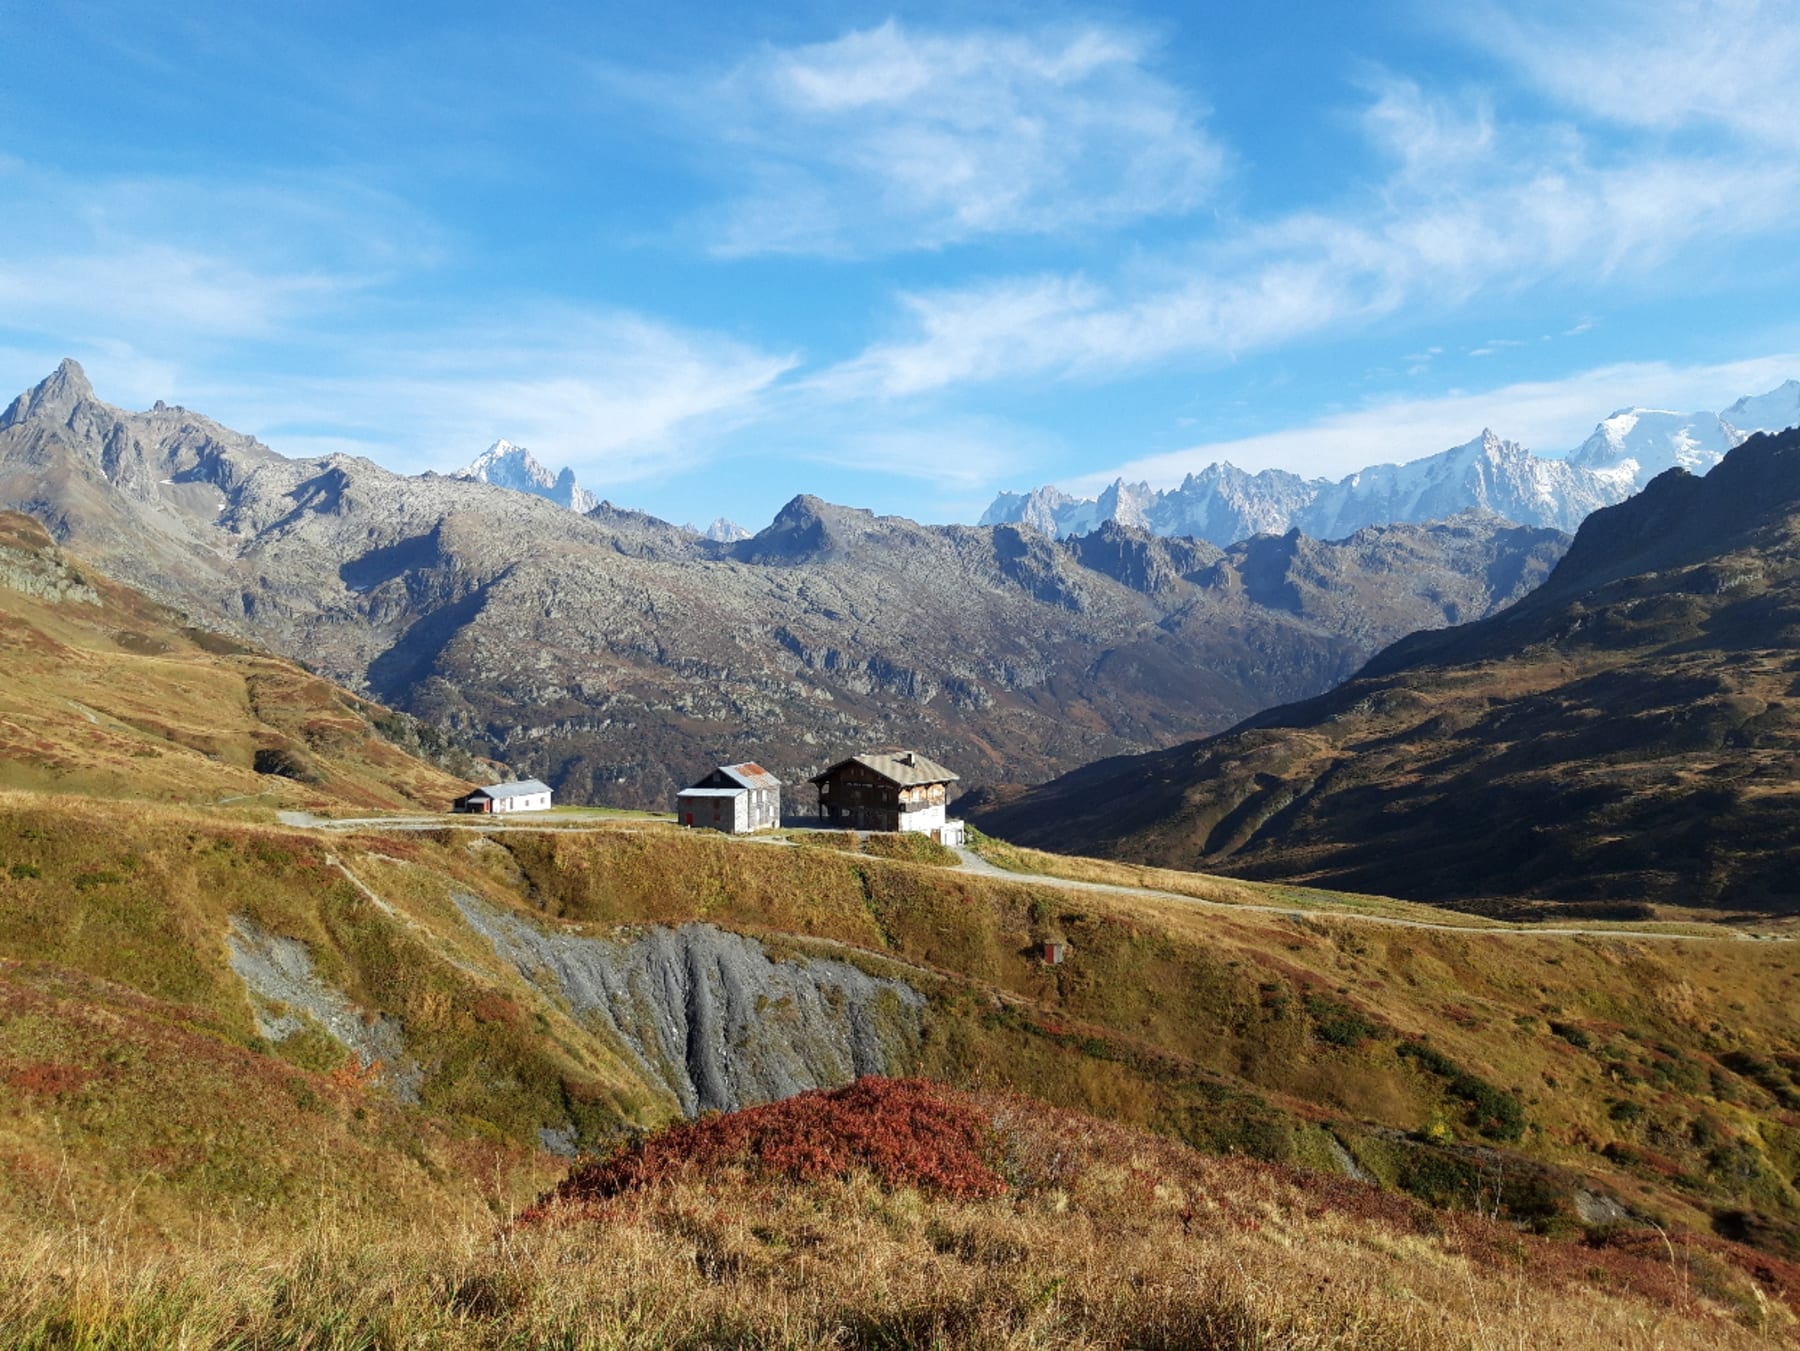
(1224, 504)
(506, 465)
(1775, 411)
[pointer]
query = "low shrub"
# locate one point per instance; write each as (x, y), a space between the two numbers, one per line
(1340, 1024)
(903, 1132)
(1577, 1038)
(1492, 1112)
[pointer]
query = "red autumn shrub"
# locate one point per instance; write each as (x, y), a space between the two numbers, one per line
(45, 1079)
(903, 1132)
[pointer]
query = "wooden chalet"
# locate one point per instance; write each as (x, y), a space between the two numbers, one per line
(888, 790)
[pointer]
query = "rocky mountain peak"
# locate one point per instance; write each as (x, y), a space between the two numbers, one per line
(508, 465)
(54, 399)
(807, 527)
(724, 531)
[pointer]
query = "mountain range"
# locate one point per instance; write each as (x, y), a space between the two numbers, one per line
(1224, 504)
(617, 655)
(1630, 732)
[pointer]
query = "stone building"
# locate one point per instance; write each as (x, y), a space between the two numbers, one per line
(888, 790)
(736, 799)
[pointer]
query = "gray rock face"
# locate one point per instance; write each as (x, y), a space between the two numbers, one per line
(616, 656)
(286, 995)
(709, 1015)
(44, 576)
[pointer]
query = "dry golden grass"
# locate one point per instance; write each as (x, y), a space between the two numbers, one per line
(107, 693)
(1115, 1253)
(1215, 889)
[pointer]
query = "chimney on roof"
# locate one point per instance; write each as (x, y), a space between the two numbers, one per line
(907, 759)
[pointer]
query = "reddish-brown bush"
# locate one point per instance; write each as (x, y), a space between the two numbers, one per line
(44, 1079)
(903, 1132)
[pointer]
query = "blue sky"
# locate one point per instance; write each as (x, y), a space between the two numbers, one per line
(901, 256)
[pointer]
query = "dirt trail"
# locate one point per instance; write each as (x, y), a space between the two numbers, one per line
(971, 862)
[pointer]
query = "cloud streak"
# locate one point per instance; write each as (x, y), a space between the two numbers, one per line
(890, 139)
(1470, 208)
(1721, 64)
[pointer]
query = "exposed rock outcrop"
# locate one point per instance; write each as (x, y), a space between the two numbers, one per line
(709, 1015)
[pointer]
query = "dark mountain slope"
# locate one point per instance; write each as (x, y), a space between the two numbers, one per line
(617, 655)
(1630, 731)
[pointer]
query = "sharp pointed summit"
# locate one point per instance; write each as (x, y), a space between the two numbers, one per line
(54, 398)
(506, 465)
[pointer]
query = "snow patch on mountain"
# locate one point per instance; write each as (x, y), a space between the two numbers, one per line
(508, 466)
(1636, 444)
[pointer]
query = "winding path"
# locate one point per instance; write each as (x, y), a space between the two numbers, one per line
(972, 863)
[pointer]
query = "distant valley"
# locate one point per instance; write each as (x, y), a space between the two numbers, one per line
(614, 654)
(1628, 733)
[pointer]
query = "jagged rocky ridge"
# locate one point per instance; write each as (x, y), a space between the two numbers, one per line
(1223, 503)
(1629, 732)
(618, 656)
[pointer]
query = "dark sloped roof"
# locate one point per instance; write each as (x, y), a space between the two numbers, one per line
(751, 775)
(517, 788)
(908, 769)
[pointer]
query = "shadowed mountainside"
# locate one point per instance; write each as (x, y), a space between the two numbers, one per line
(615, 655)
(1631, 730)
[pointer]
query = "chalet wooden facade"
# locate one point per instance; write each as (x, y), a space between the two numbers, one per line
(896, 790)
(736, 799)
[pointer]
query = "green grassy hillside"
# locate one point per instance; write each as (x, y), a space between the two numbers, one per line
(1662, 1071)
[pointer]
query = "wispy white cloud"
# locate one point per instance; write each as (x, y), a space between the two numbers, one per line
(955, 453)
(1722, 64)
(195, 259)
(291, 309)
(610, 394)
(892, 138)
(1552, 416)
(1471, 207)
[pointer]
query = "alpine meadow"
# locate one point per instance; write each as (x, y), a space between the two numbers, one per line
(934, 676)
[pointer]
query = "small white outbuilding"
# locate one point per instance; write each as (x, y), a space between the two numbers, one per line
(522, 795)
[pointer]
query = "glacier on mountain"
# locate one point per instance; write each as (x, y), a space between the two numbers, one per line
(1224, 504)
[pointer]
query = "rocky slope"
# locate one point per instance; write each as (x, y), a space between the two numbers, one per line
(1629, 731)
(1223, 503)
(617, 655)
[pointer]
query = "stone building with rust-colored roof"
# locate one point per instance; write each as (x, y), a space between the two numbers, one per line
(736, 799)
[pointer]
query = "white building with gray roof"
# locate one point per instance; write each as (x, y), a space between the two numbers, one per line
(521, 795)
